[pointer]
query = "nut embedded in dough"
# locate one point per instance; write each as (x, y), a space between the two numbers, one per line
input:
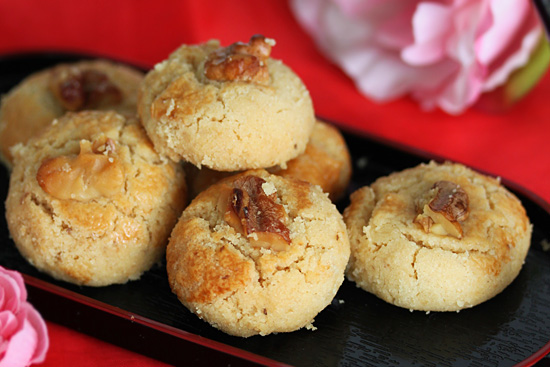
(90, 202)
(91, 174)
(393, 257)
(447, 205)
(241, 61)
(242, 289)
(77, 89)
(254, 214)
(228, 109)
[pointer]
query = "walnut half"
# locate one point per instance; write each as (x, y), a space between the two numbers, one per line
(241, 61)
(78, 89)
(94, 172)
(443, 208)
(253, 213)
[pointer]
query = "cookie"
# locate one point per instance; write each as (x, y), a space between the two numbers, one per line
(436, 237)
(258, 254)
(227, 108)
(90, 202)
(325, 162)
(46, 95)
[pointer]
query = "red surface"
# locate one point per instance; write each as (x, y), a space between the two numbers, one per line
(513, 144)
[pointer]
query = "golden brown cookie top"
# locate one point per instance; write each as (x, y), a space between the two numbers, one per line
(490, 206)
(227, 108)
(90, 201)
(258, 253)
(436, 237)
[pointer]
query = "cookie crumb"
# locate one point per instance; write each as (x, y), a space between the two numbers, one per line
(545, 244)
(269, 188)
(311, 327)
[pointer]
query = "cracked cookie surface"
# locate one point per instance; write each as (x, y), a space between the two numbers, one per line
(396, 259)
(46, 95)
(90, 202)
(225, 125)
(243, 288)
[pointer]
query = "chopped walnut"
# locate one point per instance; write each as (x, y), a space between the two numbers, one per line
(94, 172)
(255, 214)
(79, 89)
(241, 61)
(443, 208)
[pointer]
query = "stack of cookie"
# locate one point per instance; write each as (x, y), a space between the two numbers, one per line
(90, 201)
(254, 252)
(229, 109)
(99, 184)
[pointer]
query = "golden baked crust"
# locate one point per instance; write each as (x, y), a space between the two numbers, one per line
(396, 259)
(325, 162)
(32, 104)
(225, 125)
(99, 232)
(220, 275)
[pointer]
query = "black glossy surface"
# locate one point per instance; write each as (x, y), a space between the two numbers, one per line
(357, 329)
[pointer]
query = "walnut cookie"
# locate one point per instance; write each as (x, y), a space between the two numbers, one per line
(90, 202)
(436, 237)
(325, 162)
(257, 254)
(231, 108)
(48, 94)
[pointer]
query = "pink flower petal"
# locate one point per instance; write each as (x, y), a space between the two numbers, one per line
(508, 16)
(39, 326)
(431, 25)
(515, 61)
(8, 324)
(395, 32)
(359, 8)
(21, 347)
(443, 53)
(12, 290)
(23, 334)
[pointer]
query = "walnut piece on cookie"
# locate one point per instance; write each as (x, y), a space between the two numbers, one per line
(257, 254)
(241, 61)
(436, 237)
(227, 108)
(90, 202)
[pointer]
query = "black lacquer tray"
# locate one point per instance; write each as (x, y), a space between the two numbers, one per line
(357, 329)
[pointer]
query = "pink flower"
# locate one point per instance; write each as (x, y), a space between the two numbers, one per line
(443, 53)
(23, 335)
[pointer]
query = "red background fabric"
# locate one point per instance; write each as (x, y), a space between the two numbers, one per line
(512, 144)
